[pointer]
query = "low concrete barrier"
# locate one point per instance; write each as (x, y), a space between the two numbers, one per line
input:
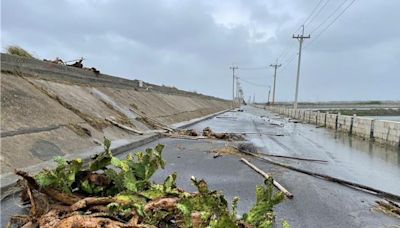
(331, 121)
(321, 119)
(344, 123)
(313, 117)
(387, 132)
(382, 131)
(362, 127)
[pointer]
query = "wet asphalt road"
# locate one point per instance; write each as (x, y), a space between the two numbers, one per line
(316, 203)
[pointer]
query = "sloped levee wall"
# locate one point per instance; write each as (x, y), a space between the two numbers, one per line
(382, 131)
(52, 110)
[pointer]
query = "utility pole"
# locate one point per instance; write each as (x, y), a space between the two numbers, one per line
(237, 87)
(233, 68)
(300, 38)
(275, 66)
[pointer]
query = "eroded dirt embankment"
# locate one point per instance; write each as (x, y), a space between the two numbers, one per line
(42, 117)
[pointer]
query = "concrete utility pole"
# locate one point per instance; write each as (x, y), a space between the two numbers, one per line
(233, 68)
(275, 66)
(237, 87)
(300, 38)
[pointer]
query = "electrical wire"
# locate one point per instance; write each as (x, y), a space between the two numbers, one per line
(286, 51)
(252, 68)
(318, 12)
(312, 12)
(327, 18)
(330, 24)
(253, 83)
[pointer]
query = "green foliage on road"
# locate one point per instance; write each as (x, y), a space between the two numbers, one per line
(135, 199)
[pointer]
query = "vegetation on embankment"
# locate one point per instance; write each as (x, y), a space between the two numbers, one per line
(16, 50)
(366, 112)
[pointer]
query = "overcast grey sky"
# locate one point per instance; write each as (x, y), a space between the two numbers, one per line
(191, 44)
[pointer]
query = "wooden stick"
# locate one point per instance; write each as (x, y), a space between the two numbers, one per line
(266, 176)
(290, 157)
(153, 121)
(283, 156)
(123, 126)
(352, 185)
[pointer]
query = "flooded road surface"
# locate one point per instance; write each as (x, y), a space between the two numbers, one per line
(316, 202)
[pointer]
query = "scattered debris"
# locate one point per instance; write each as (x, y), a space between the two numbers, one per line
(150, 121)
(79, 130)
(276, 124)
(247, 148)
(188, 132)
(251, 148)
(388, 207)
(77, 64)
(207, 134)
(266, 176)
(224, 136)
(112, 121)
(349, 184)
(113, 192)
(226, 150)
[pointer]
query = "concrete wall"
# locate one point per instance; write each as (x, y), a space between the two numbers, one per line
(307, 116)
(362, 127)
(387, 132)
(313, 117)
(331, 121)
(382, 131)
(321, 121)
(52, 110)
(344, 123)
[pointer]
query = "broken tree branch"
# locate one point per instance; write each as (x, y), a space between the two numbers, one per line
(123, 126)
(290, 157)
(266, 176)
(352, 185)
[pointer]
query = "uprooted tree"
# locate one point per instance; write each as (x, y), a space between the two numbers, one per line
(113, 192)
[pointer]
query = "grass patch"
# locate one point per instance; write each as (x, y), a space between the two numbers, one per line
(16, 50)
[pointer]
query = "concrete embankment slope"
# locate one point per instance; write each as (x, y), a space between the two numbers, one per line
(52, 110)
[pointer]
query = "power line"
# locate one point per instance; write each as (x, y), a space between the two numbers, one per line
(318, 12)
(312, 12)
(252, 68)
(286, 51)
(288, 62)
(330, 24)
(327, 18)
(253, 83)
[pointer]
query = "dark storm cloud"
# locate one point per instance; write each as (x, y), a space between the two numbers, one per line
(190, 44)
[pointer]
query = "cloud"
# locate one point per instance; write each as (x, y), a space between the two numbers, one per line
(190, 44)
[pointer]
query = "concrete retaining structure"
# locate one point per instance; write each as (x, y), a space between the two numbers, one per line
(331, 121)
(362, 127)
(344, 123)
(52, 110)
(387, 132)
(321, 119)
(313, 117)
(382, 131)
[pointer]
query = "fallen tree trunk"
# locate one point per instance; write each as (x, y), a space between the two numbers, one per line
(266, 176)
(353, 185)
